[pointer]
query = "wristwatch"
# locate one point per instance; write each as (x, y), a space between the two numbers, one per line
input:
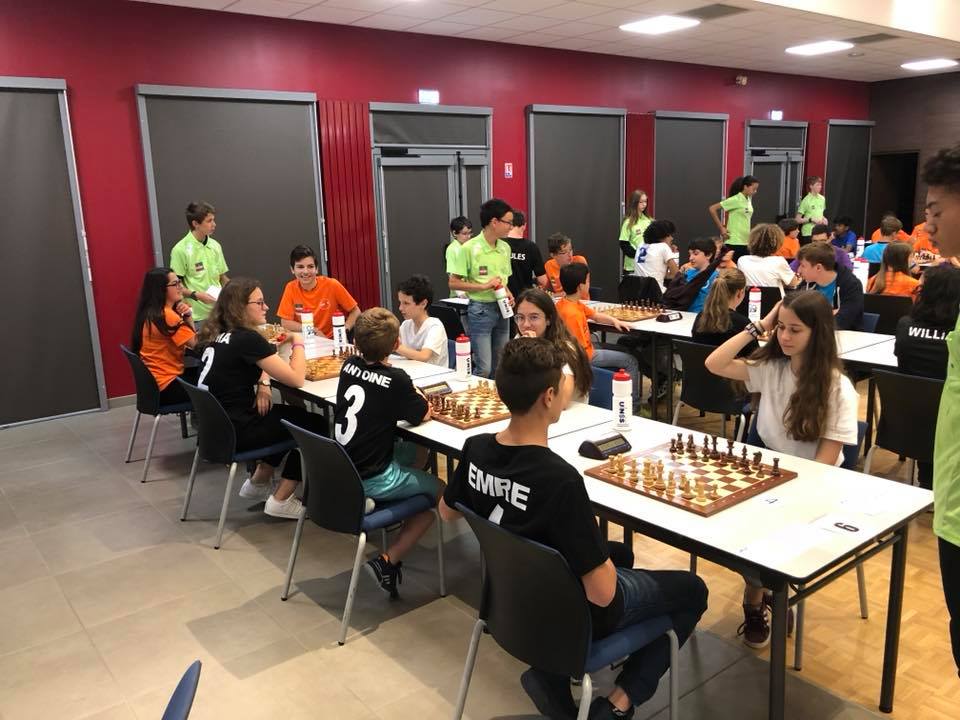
(193, 294)
(264, 383)
(754, 329)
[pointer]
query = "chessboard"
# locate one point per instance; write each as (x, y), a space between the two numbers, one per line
(328, 366)
(702, 480)
(632, 311)
(470, 408)
(273, 333)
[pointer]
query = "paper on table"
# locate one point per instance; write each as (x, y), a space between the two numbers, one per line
(214, 291)
(788, 543)
(870, 504)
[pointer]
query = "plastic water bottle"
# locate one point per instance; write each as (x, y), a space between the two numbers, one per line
(503, 302)
(339, 331)
(462, 351)
(860, 245)
(861, 269)
(622, 394)
(753, 306)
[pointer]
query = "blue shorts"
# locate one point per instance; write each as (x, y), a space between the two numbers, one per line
(398, 480)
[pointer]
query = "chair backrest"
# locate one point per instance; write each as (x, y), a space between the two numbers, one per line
(148, 393)
(182, 699)
(216, 436)
(450, 318)
(451, 354)
(852, 452)
(873, 269)
(334, 490)
(869, 323)
(601, 391)
(890, 308)
(908, 415)
(702, 389)
(634, 287)
(769, 296)
(596, 293)
(533, 604)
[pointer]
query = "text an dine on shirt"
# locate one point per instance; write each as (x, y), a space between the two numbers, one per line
(367, 375)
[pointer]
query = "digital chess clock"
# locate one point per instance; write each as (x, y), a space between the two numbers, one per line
(439, 388)
(602, 448)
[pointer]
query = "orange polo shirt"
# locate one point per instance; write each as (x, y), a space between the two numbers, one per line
(895, 283)
(163, 354)
(901, 236)
(575, 316)
(553, 272)
(790, 248)
(921, 239)
(327, 297)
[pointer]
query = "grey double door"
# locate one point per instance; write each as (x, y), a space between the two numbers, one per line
(781, 185)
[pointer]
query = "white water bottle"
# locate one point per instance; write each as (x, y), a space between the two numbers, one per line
(622, 394)
(339, 331)
(753, 306)
(503, 302)
(861, 269)
(860, 245)
(462, 351)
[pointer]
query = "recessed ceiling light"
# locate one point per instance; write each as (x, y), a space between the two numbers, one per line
(934, 64)
(660, 24)
(820, 48)
(855, 54)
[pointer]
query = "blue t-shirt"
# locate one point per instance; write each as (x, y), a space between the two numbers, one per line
(847, 240)
(829, 291)
(874, 252)
(701, 298)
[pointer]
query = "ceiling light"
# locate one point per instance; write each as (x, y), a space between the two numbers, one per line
(855, 54)
(820, 48)
(934, 64)
(660, 24)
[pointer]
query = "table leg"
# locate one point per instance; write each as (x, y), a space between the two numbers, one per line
(628, 538)
(653, 376)
(871, 410)
(891, 644)
(604, 528)
(778, 652)
(670, 379)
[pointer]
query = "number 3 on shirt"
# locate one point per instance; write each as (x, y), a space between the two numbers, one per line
(207, 360)
(354, 395)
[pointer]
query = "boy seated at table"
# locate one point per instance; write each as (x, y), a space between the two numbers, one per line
(549, 504)
(371, 398)
(821, 234)
(313, 293)
(890, 229)
(422, 337)
(791, 238)
(561, 255)
(818, 267)
(843, 237)
(900, 233)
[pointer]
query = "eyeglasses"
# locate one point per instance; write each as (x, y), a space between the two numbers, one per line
(506, 222)
(177, 283)
(261, 303)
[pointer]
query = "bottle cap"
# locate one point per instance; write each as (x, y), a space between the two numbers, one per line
(754, 288)
(337, 313)
(462, 338)
(621, 375)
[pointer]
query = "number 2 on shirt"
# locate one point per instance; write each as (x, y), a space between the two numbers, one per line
(356, 396)
(207, 359)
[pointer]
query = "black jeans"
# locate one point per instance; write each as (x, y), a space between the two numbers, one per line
(925, 475)
(267, 430)
(950, 576)
(174, 394)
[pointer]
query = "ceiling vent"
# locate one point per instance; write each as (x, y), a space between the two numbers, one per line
(867, 39)
(712, 12)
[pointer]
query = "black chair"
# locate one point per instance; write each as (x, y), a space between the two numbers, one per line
(596, 293)
(554, 637)
(868, 324)
(450, 318)
(148, 403)
(704, 391)
(890, 308)
(873, 269)
(769, 296)
(908, 416)
(634, 287)
(335, 501)
(182, 699)
(217, 443)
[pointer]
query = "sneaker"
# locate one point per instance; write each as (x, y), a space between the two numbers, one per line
(756, 626)
(550, 694)
(253, 491)
(603, 709)
(369, 505)
(288, 509)
(386, 574)
(768, 602)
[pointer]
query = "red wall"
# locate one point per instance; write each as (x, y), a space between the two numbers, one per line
(104, 47)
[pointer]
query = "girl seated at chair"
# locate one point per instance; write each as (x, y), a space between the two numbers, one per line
(719, 320)
(162, 330)
(237, 364)
(894, 276)
(808, 407)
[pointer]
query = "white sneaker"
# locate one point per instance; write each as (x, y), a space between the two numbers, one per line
(253, 491)
(369, 506)
(289, 509)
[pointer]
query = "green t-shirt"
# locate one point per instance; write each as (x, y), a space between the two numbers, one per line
(200, 265)
(451, 255)
(739, 209)
(812, 206)
(634, 236)
(946, 452)
(477, 262)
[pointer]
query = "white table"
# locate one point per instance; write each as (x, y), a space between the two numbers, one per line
(326, 390)
(851, 340)
(880, 355)
(457, 302)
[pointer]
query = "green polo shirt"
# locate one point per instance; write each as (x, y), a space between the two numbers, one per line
(452, 255)
(739, 209)
(634, 236)
(200, 265)
(946, 451)
(812, 206)
(477, 262)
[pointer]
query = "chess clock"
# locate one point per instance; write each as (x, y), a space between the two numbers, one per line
(602, 448)
(438, 388)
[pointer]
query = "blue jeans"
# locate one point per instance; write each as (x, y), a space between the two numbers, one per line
(616, 359)
(488, 334)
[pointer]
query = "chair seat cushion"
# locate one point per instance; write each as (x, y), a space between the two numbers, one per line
(623, 642)
(258, 453)
(390, 513)
(176, 408)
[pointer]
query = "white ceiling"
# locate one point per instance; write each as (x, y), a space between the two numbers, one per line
(752, 40)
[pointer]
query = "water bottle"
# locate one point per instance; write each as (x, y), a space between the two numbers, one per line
(462, 351)
(339, 331)
(860, 245)
(622, 398)
(753, 306)
(861, 269)
(503, 302)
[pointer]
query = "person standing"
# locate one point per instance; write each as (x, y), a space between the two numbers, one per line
(739, 209)
(198, 261)
(632, 227)
(811, 209)
(525, 258)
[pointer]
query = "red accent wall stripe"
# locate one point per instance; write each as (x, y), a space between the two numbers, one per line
(639, 160)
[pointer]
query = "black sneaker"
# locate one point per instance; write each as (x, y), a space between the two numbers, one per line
(550, 693)
(603, 709)
(387, 575)
(756, 626)
(768, 601)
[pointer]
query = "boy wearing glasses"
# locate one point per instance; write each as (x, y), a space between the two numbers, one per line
(198, 260)
(561, 255)
(310, 292)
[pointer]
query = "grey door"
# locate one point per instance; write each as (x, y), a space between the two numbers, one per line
(768, 201)
(475, 192)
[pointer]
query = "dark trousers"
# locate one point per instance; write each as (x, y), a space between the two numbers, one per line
(950, 575)
(925, 475)
(267, 430)
(174, 394)
(738, 251)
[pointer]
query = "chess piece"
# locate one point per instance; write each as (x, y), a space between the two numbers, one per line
(714, 453)
(729, 448)
(659, 484)
(690, 443)
(671, 483)
(757, 459)
(685, 490)
(776, 467)
(712, 493)
(760, 471)
(680, 441)
(476, 413)
(701, 489)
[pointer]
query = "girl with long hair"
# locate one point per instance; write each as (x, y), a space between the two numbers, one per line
(894, 276)
(719, 320)
(162, 329)
(237, 364)
(631, 228)
(807, 408)
(739, 209)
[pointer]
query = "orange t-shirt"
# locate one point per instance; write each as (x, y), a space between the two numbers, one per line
(789, 249)
(921, 239)
(327, 297)
(901, 236)
(553, 272)
(163, 354)
(895, 283)
(575, 316)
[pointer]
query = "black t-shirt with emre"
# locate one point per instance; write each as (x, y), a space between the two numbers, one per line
(921, 350)
(531, 491)
(526, 262)
(229, 371)
(371, 398)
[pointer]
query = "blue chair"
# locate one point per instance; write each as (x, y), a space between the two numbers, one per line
(452, 354)
(559, 641)
(148, 403)
(335, 501)
(870, 321)
(182, 699)
(601, 391)
(217, 443)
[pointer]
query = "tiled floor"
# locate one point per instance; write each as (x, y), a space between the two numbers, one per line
(105, 598)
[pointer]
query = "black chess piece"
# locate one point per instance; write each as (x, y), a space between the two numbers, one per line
(776, 467)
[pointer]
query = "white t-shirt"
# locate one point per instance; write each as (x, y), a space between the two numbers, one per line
(431, 335)
(775, 382)
(651, 261)
(771, 271)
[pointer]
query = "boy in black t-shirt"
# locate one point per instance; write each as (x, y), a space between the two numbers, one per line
(513, 478)
(371, 398)
(525, 258)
